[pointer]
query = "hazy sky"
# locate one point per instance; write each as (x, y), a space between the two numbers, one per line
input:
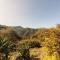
(30, 13)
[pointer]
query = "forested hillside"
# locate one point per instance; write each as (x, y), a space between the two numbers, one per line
(18, 43)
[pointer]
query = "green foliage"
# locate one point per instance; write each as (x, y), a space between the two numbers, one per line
(25, 54)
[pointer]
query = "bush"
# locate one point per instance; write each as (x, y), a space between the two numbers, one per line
(25, 54)
(34, 44)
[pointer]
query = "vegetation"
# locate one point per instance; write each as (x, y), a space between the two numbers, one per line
(18, 43)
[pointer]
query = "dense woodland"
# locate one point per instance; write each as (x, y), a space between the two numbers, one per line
(18, 43)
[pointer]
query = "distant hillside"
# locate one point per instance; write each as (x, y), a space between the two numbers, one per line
(24, 33)
(16, 33)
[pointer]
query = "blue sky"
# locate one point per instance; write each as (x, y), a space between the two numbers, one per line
(30, 13)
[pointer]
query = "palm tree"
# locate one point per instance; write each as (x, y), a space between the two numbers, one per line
(4, 47)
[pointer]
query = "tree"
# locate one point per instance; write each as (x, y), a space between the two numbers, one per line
(4, 47)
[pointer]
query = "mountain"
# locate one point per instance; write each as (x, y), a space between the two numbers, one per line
(16, 33)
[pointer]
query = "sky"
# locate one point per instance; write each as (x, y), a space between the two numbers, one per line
(30, 13)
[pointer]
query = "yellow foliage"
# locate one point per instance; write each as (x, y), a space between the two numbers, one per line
(43, 54)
